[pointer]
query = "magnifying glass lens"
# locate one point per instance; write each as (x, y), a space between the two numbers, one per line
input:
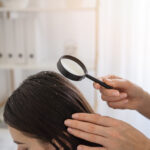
(72, 67)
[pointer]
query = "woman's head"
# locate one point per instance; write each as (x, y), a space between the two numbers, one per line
(36, 112)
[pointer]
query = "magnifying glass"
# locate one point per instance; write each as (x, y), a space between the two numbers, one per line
(73, 69)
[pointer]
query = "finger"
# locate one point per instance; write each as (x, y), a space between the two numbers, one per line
(109, 92)
(82, 147)
(112, 77)
(120, 104)
(97, 86)
(117, 83)
(95, 119)
(112, 98)
(87, 127)
(87, 136)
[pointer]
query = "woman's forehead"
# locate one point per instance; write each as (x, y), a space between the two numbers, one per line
(17, 135)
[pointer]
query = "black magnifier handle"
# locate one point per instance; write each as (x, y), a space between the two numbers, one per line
(99, 82)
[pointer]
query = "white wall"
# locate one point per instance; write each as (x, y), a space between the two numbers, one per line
(125, 50)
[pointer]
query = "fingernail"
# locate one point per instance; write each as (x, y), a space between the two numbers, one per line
(67, 122)
(116, 93)
(79, 148)
(96, 86)
(75, 116)
(124, 95)
(69, 130)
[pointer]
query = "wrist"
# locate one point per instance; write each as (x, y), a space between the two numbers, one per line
(144, 104)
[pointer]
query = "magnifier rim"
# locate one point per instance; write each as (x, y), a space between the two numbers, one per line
(66, 73)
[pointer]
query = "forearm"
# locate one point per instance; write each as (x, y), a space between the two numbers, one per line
(144, 107)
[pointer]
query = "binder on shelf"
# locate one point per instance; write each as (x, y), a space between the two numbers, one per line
(9, 40)
(30, 39)
(2, 48)
(19, 41)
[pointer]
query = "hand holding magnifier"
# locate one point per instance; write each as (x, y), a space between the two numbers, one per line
(72, 68)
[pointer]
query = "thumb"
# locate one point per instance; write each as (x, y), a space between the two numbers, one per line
(117, 83)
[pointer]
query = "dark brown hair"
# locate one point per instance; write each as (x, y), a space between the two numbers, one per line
(41, 104)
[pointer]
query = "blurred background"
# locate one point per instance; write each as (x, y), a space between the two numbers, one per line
(109, 36)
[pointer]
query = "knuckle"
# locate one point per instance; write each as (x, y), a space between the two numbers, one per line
(114, 133)
(96, 117)
(91, 128)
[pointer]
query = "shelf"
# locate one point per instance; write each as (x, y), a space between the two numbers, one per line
(45, 10)
(28, 66)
